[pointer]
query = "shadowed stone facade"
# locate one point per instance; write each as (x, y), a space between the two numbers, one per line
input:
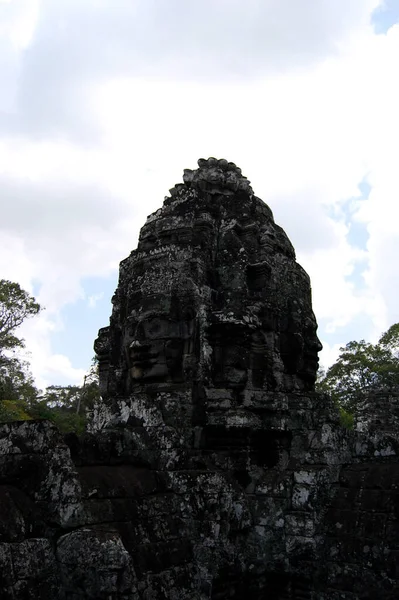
(212, 470)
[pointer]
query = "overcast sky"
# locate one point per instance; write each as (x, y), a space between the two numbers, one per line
(103, 103)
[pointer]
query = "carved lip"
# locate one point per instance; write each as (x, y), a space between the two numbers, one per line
(311, 362)
(310, 359)
(142, 359)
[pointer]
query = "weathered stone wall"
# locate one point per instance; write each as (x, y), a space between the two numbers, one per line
(212, 470)
(319, 520)
(28, 485)
(57, 541)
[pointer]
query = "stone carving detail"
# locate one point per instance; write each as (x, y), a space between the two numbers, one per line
(102, 350)
(217, 177)
(159, 345)
(212, 273)
(212, 470)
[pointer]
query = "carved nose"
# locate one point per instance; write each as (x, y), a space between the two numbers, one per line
(135, 344)
(318, 345)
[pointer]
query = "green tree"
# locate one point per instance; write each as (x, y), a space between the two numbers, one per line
(16, 382)
(13, 411)
(362, 367)
(91, 389)
(68, 406)
(15, 306)
(390, 340)
(58, 404)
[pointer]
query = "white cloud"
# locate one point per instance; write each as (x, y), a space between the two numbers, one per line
(380, 212)
(47, 367)
(305, 101)
(76, 44)
(92, 300)
(329, 354)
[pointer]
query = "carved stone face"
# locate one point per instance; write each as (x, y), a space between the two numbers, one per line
(221, 252)
(157, 346)
(255, 350)
(299, 346)
(230, 355)
(309, 363)
(102, 350)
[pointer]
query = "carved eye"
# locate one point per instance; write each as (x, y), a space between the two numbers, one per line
(154, 327)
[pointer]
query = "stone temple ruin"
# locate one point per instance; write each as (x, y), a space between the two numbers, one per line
(212, 469)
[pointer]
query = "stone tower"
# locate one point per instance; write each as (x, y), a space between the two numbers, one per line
(212, 297)
(208, 361)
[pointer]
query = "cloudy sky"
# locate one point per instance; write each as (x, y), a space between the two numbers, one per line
(103, 103)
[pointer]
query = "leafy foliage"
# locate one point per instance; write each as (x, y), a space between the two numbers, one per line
(17, 389)
(15, 306)
(362, 367)
(347, 419)
(12, 410)
(16, 382)
(66, 406)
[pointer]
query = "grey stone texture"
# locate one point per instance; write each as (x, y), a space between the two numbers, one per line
(211, 470)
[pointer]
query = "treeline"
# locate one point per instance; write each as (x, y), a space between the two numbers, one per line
(20, 399)
(360, 369)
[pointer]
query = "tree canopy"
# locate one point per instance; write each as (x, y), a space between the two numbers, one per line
(16, 305)
(20, 399)
(362, 367)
